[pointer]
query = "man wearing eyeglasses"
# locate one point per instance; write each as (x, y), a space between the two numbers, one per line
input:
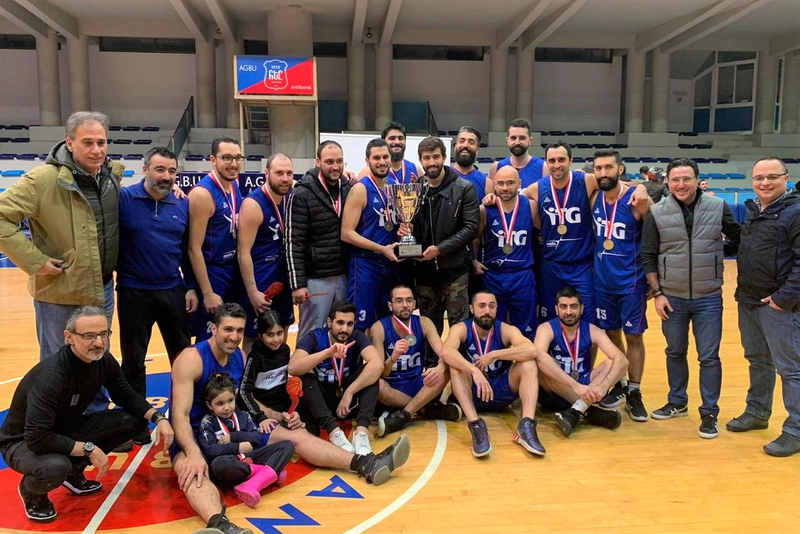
(46, 435)
(682, 256)
(768, 295)
(213, 225)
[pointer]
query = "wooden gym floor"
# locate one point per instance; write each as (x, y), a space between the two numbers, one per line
(657, 476)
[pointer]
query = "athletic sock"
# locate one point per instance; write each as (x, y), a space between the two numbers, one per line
(580, 406)
(632, 386)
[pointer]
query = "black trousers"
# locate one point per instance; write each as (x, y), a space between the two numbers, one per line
(45, 472)
(320, 401)
(138, 311)
(228, 470)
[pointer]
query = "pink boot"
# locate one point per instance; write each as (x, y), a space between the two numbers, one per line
(249, 491)
(282, 477)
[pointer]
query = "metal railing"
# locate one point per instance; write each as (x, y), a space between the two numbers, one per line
(185, 125)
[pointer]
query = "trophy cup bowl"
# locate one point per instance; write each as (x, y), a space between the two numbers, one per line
(406, 199)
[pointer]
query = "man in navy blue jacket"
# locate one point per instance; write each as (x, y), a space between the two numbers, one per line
(768, 293)
(150, 289)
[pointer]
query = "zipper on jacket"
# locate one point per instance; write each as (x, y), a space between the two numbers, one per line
(156, 209)
(433, 239)
(691, 289)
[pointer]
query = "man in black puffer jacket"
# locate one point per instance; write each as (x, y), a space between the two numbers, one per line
(316, 260)
(445, 226)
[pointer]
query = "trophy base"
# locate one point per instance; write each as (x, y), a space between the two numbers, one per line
(409, 251)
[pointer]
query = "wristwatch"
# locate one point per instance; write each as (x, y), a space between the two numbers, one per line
(88, 448)
(156, 417)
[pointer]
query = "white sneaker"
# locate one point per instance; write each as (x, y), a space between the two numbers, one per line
(340, 440)
(361, 443)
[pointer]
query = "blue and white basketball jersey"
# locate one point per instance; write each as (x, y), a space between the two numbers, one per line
(521, 256)
(219, 245)
(576, 245)
(558, 348)
(409, 365)
(529, 174)
(406, 175)
(373, 219)
(324, 369)
(267, 251)
(469, 349)
(618, 271)
(476, 178)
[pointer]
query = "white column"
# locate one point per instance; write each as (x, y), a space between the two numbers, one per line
(766, 91)
(498, 76)
(355, 87)
(206, 100)
(232, 114)
(634, 92)
(292, 129)
(383, 85)
(78, 63)
(659, 107)
(525, 65)
(790, 101)
(49, 86)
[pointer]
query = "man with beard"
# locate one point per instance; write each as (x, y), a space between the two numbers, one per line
(367, 225)
(569, 380)
(153, 227)
(404, 384)
(315, 257)
(401, 170)
(491, 365)
(214, 205)
(466, 150)
(518, 139)
(48, 437)
(260, 249)
(619, 281)
(506, 261)
(445, 226)
(340, 370)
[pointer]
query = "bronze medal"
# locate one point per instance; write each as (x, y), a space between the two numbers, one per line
(411, 339)
(608, 244)
(339, 391)
(562, 229)
(388, 225)
(575, 375)
(507, 248)
(233, 233)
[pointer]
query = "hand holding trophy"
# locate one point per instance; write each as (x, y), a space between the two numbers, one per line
(406, 199)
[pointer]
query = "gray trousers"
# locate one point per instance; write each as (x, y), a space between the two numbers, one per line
(323, 291)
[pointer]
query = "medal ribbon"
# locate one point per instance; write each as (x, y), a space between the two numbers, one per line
(235, 427)
(560, 208)
(383, 198)
(508, 229)
(277, 211)
(337, 204)
(231, 200)
(482, 349)
(572, 348)
(338, 370)
(610, 222)
(404, 328)
(402, 178)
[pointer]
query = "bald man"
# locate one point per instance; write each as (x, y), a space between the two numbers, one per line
(505, 254)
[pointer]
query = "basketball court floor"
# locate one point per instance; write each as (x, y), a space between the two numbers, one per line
(657, 476)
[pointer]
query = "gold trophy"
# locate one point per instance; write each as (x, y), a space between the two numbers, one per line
(406, 200)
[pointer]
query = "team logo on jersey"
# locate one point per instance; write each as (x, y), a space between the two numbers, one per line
(275, 77)
(601, 225)
(571, 215)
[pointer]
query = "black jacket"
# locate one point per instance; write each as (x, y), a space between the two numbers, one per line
(264, 380)
(769, 254)
(313, 246)
(448, 218)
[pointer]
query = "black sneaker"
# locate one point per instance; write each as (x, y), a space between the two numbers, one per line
(79, 485)
(446, 412)
(527, 437)
(393, 422)
(143, 438)
(746, 422)
(568, 420)
(635, 407)
(784, 445)
(480, 438)
(610, 419)
(220, 524)
(37, 507)
(615, 397)
(669, 410)
(377, 468)
(125, 447)
(708, 426)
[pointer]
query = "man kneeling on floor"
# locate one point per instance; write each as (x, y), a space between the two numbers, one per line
(47, 436)
(484, 344)
(569, 381)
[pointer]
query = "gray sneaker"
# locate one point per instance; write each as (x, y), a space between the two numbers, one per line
(669, 410)
(746, 422)
(784, 445)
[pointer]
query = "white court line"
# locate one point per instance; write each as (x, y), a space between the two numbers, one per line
(10, 380)
(433, 465)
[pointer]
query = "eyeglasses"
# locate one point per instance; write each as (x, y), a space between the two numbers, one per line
(231, 159)
(91, 336)
(769, 177)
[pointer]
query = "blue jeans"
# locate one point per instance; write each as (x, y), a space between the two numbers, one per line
(52, 318)
(705, 314)
(771, 339)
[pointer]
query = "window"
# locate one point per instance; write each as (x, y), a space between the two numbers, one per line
(451, 53)
(17, 42)
(574, 55)
(744, 83)
(147, 45)
(727, 57)
(330, 50)
(702, 91)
